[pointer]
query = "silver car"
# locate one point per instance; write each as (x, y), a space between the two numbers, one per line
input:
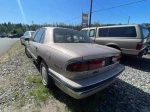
(27, 34)
(71, 61)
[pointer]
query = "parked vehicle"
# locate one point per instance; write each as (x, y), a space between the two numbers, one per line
(15, 36)
(149, 42)
(70, 60)
(3, 35)
(27, 34)
(129, 39)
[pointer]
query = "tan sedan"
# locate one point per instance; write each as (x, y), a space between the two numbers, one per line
(70, 60)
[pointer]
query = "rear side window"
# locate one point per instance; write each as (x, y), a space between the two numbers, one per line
(122, 32)
(92, 33)
(103, 32)
(38, 35)
(145, 32)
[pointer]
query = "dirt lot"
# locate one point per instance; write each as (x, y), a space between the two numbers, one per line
(21, 89)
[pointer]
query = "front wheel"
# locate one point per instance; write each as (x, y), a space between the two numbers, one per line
(46, 79)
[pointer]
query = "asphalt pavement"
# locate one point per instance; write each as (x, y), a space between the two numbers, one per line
(6, 44)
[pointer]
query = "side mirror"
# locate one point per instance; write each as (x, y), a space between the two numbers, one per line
(27, 39)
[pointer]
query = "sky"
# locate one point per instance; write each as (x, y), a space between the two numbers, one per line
(52, 11)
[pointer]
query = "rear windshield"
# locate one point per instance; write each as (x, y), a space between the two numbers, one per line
(118, 32)
(145, 32)
(70, 36)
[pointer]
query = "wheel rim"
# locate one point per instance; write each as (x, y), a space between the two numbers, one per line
(44, 75)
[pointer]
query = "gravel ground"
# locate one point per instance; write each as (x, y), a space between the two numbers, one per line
(129, 93)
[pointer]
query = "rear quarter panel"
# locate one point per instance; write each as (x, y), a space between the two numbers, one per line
(57, 58)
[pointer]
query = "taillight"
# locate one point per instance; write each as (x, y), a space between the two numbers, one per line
(77, 67)
(85, 65)
(116, 59)
(139, 46)
(93, 64)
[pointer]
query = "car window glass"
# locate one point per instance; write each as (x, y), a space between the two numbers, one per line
(70, 36)
(92, 33)
(122, 32)
(43, 37)
(38, 35)
(25, 34)
(103, 32)
(145, 32)
(32, 33)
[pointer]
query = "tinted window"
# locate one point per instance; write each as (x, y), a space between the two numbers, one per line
(70, 36)
(103, 32)
(92, 33)
(122, 32)
(145, 32)
(38, 35)
(84, 31)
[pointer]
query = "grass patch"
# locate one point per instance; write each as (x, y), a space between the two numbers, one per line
(1, 90)
(34, 79)
(40, 94)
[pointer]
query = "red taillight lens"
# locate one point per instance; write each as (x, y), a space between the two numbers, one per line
(116, 59)
(139, 46)
(77, 67)
(93, 64)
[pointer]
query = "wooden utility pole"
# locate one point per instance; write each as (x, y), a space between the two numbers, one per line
(90, 13)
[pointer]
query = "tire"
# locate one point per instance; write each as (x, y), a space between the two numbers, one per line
(27, 53)
(46, 79)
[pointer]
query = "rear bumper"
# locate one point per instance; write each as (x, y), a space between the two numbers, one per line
(81, 88)
(135, 52)
(143, 52)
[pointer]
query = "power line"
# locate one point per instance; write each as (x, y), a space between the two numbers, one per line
(108, 9)
(72, 19)
(119, 6)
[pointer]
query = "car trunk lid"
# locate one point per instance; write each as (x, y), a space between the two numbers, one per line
(90, 50)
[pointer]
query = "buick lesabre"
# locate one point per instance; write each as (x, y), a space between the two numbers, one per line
(70, 60)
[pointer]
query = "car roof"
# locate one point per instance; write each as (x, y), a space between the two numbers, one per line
(52, 28)
(142, 25)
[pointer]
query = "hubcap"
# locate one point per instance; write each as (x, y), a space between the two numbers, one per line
(44, 75)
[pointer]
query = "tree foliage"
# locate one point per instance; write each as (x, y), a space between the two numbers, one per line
(19, 28)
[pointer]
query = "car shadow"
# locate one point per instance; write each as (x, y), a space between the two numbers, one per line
(118, 97)
(136, 62)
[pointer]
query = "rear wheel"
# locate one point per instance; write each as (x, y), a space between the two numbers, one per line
(46, 79)
(27, 53)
